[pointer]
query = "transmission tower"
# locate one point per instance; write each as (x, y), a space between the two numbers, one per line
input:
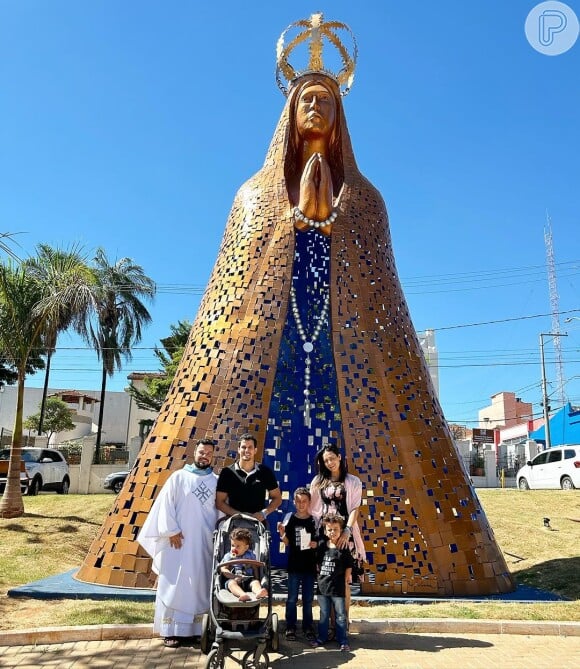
(555, 308)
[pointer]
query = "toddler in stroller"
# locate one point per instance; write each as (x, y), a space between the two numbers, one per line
(239, 591)
(240, 576)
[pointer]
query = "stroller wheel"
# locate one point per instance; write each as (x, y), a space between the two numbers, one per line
(274, 633)
(216, 659)
(249, 660)
(205, 640)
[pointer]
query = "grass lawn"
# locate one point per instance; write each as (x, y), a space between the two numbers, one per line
(54, 535)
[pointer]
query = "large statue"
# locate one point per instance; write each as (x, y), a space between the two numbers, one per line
(304, 337)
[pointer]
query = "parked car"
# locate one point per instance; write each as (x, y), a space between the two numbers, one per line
(4, 462)
(47, 469)
(557, 467)
(115, 481)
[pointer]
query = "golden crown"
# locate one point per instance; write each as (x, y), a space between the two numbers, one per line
(317, 31)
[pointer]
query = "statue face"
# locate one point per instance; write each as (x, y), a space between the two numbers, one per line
(315, 112)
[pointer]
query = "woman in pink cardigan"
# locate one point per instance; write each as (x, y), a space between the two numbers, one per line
(335, 491)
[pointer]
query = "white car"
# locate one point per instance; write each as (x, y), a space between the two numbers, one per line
(556, 467)
(4, 464)
(47, 469)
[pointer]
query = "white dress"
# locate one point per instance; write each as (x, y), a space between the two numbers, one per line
(185, 504)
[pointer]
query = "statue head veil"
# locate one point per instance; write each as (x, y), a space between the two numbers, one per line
(282, 154)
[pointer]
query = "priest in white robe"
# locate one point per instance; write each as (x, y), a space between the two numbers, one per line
(178, 535)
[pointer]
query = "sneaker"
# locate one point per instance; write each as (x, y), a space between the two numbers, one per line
(310, 635)
(316, 643)
(290, 635)
(345, 648)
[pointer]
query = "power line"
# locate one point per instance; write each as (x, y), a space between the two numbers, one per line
(462, 276)
(528, 274)
(500, 320)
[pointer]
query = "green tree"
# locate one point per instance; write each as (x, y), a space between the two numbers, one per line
(169, 357)
(57, 418)
(47, 267)
(117, 318)
(5, 247)
(27, 304)
(20, 332)
(9, 375)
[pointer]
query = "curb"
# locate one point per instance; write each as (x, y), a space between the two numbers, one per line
(56, 635)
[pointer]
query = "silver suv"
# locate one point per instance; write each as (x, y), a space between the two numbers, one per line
(47, 469)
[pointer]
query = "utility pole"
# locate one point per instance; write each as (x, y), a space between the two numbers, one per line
(554, 335)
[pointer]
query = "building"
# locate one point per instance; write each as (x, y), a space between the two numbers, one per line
(124, 424)
(429, 348)
(505, 410)
(460, 432)
(83, 408)
(564, 427)
(142, 417)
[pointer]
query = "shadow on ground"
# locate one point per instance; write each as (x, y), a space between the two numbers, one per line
(330, 656)
(555, 576)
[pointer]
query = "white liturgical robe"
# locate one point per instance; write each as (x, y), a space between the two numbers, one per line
(185, 504)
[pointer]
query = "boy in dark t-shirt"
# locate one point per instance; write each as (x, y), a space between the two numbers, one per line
(297, 532)
(334, 572)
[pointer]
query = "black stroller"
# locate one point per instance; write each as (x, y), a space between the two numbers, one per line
(230, 619)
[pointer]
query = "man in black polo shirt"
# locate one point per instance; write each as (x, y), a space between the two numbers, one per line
(243, 486)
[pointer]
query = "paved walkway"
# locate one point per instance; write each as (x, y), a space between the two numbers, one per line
(451, 648)
(400, 651)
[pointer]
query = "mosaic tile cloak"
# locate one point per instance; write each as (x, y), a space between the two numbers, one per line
(424, 530)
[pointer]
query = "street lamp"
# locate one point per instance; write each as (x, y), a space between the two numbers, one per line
(544, 389)
(572, 318)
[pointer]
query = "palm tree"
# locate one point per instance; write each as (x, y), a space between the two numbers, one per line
(49, 267)
(118, 316)
(27, 304)
(19, 334)
(6, 247)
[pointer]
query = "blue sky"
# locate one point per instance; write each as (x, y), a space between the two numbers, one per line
(131, 124)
